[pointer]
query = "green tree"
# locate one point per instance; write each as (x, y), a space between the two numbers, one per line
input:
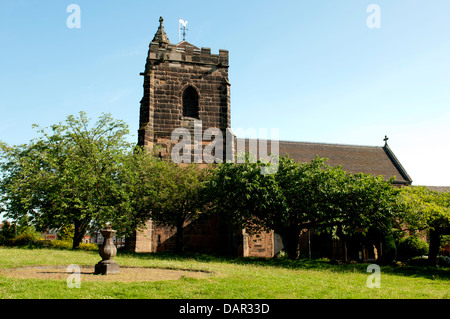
(301, 196)
(139, 177)
(66, 233)
(369, 205)
(317, 195)
(424, 209)
(25, 227)
(66, 175)
(180, 196)
(244, 196)
(309, 200)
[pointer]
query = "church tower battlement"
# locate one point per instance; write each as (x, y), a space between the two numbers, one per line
(182, 84)
(185, 52)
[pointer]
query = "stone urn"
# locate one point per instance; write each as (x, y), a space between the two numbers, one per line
(107, 251)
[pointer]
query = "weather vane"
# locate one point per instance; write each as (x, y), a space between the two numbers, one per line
(182, 27)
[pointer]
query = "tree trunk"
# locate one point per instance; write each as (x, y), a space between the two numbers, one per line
(291, 242)
(379, 248)
(435, 243)
(389, 250)
(130, 242)
(78, 234)
(343, 249)
(179, 240)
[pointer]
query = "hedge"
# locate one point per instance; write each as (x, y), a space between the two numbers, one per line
(32, 242)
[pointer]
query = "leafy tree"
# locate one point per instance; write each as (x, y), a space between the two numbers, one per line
(318, 195)
(180, 196)
(424, 209)
(300, 196)
(139, 176)
(369, 205)
(66, 175)
(309, 200)
(244, 196)
(262, 202)
(66, 232)
(24, 227)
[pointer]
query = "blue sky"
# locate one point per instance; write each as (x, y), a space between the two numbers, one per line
(313, 69)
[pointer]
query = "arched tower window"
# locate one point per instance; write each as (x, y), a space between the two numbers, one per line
(190, 102)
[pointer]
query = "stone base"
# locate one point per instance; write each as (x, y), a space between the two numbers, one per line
(106, 267)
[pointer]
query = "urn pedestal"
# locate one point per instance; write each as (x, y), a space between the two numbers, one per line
(107, 251)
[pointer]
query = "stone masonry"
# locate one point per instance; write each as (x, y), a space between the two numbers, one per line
(169, 71)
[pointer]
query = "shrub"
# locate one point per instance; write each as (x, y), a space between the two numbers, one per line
(6, 241)
(32, 241)
(418, 261)
(66, 232)
(443, 261)
(411, 246)
(59, 244)
(88, 246)
(37, 243)
(281, 255)
(23, 239)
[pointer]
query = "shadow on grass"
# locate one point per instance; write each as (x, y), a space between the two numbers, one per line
(301, 264)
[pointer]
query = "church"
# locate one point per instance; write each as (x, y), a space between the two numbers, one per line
(185, 85)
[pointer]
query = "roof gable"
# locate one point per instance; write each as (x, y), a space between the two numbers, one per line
(183, 44)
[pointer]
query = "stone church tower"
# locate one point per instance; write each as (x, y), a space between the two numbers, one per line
(184, 87)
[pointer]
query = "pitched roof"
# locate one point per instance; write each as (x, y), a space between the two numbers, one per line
(440, 189)
(183, 44)
(375, 160)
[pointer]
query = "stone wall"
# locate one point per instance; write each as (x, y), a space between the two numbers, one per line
(206, 235)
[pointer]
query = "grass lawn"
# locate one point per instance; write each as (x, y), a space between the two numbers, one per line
(242, 278)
